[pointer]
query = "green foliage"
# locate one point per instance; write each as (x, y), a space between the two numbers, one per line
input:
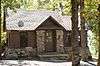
(3, 39)
(28, 4)
(54, 5)
(91, 13)
(12, 4)
(91, 16)
(46, 4)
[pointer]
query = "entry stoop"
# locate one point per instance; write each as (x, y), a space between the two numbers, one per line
(53, 56)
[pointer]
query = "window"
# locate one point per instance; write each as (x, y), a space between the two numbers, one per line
(67, 38)
(23, 39)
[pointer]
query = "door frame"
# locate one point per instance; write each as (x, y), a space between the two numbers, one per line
(53, 40)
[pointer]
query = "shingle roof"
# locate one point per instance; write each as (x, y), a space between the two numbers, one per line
(32, 19)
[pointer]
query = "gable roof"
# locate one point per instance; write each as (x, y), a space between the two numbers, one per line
(32, 19)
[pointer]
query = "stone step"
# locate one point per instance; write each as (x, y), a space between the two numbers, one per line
(54, 57)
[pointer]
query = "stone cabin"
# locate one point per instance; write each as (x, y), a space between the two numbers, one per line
(45, 31)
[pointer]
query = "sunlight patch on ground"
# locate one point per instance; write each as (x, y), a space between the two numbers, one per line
(33, 63)
(38, 63)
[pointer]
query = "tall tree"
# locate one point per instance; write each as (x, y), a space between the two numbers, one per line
(84, 53)
(99, 34)
(0, 24)
(74, 34)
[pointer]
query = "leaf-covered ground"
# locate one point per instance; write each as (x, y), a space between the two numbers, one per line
(38, 63)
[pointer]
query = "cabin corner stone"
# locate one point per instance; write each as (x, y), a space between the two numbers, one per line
(40, 41)
(60, 45)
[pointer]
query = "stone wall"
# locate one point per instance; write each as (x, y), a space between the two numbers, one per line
(59, 45)
(40, 41)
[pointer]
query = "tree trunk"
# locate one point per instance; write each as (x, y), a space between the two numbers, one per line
(99, 35)
(0, 24)
(84, 52)
(4, 18)
(74, 34)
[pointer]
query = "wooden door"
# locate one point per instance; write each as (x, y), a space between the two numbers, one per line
(50, 46)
